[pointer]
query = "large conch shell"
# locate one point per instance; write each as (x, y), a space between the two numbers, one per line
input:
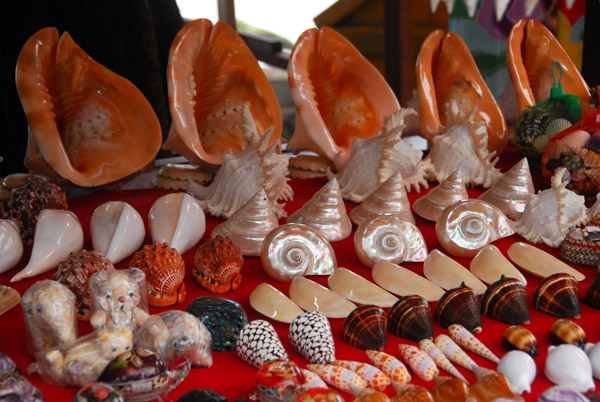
(57, 233)
(242, 174)
(117, 230)
(448, 274)
(339, 95)
(373, 161)
(178, 220)
(446, 72)
(325, 212)
(11, 245)
(309, 295)
(431, 205)
(87, 124)
(250, 224)
(358, 289)
(532, 49)
(551, 213)
(403, 282)
(211, 74)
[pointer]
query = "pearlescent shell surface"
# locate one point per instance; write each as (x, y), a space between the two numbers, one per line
(358, 289)
(447, 273)
(490, 265)
(402, 282)
(538, 262)
(431, 205)
(309, 295)
(272, 303)
(293, 250)
(11, 245)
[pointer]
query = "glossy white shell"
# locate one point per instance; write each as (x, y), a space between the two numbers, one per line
(431, 205)
(117, 230)
(519, 369)
(568, 365)
(11, 245)
(593, 352)
(358, 289)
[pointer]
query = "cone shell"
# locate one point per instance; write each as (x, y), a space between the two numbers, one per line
(467, 340)
(11, 245)
(258, 343)
(506, 301)
(390, 198)
(459, 306)
(447, 273)
(364, 328)
(453, 352)
(538, 262)
(566, 331)
(420, 362)
(410, 318)
(388, 238)
(558, 295)
(272, 303)
(518, 337)
(358, 289)
(338, 377)
(428, 346)
(8, 298)
(326, 213)
(404, 282)
(373, 376)
(431, 205)
(310, 335)
(592, 295)
(250, 224)
(390, 366)
(490, 265)
(309, 295)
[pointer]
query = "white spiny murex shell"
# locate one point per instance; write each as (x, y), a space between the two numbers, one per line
(250, 224)
(512, 191)
(551, 213)
(390, 199)
(178, 220)
(272, 303)
(463, 144)
(11, 245)
(242, 174)
(388, 238)
(358, 289)
(375, 160)
(309, 295)
(57, 233)
(117, 230)
(431, 205)
(326, 213)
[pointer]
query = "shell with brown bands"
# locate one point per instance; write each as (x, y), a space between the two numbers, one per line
(364, 328)
(459, 306)
(566, 331)
(506, 301)
(592, 296)
(558, 295)
(410, 318)
(517, 337)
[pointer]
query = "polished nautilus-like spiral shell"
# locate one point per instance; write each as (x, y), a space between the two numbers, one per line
(295, 249)
(431, 205)
(466, 227)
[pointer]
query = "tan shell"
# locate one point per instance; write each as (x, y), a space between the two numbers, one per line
(272, 303)
(490, 265)
(447, 273)
(358, 289)
(402, 282)
(8, 298)
(539, 263)
(309, 295)
(431, 205)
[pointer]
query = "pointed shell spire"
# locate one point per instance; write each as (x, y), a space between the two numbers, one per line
(452, 189)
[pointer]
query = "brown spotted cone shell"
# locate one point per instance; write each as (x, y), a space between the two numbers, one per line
(506, 301)
(217, 265)
(592, 296)
(566, 331)
(410, 318)
(459, 306)
(364, 328)
(164, 269)
(558, 295)
(28, 200)
(75, 274)
(517, 337)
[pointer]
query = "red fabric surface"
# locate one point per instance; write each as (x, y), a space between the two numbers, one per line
(229, 375)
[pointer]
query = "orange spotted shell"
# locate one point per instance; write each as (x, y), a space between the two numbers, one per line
(165, 269)
(218, 263)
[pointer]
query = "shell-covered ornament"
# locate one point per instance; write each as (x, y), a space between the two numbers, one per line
(558, 296)
(272, 303)
(364, 328)
(217, 265)
(310, 335)
(358, 289)
(518, 337)
(506, 301)
(431, 205)
(11, 245)
(309, 295)
(258, 343)
(410, 318)
(459, 306)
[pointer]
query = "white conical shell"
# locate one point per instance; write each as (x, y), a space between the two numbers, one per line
(250, 224)
(358, 289)
(490, 265)
(57, 234)
(272, 303)
(309, 295)
(539, 263)
(448, 274)
(178, 220)
(11, 245)
(431, 205)
(403, 282)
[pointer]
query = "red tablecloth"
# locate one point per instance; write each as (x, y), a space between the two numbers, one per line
(229, 375)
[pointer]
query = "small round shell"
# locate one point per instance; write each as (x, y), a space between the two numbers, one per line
(566, 331)
(518, 337)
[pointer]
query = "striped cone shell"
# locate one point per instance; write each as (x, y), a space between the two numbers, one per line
(506, 301)
(453, 352)
(558, 296)
(592, 295)
(420, 362)
(459, 306)
(410, 318)
(364, 328)
(338, 377)
(310, 335)
(428, 346)
(258, 343)
(392, 367)
(374, 377)
(464, 338)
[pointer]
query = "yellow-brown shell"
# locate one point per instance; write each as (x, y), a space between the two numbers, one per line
(506, 301)
(558, 295)
(217, 265)
(518, 337)
(459, 306)
(566, 331)
(364, 328)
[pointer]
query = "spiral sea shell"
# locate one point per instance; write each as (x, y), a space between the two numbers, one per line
(218, 263)
(431, 205)
(410, 318)
(459, 306)
(295, 249)
(566, 331)
(518, 337)
(558, 295)
(506, 301)
(364, 328)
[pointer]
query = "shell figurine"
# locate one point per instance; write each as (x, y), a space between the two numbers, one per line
(520, 338)
(431, 205)
(364, 328)
(217, 265)
(506, 301)
(558, 296)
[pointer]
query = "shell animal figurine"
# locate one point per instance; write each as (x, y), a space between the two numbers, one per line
(164, 269)
(9, 298)
(428, 346)
(177, 220)
(242, 174)
(431, 205)
(258, 343)
(551, 213)
(358, 289)
(390, 366)
(389, 238)
(465, 227)
(447, 273)
(519, 369)
(364, 328)
(309, 295)
(517, 337)
(410, 318)
(567, 331)
(57, 234)
(310, 335)
(217, 265)
(568, 365)
(326, 213)
(490, 265)
(459, 306)
(538, 262)
(558, 296)
(250, 224)
(465, 338)
(420, 362)
(506, 301)
(11, 245)
(512, 191)
(117, 230)
(404, 282)
(272, 303)
(295, 249)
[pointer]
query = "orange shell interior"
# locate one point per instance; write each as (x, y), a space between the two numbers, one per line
(86, 124)
(211, 75)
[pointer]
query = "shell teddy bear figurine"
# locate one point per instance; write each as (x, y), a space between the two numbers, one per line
(118, 299)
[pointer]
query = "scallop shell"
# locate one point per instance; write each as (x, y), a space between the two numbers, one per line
(410, 318)
(506, 301)
(242, 174)
(428, 346)
(388, 238)
(374, 377)
(403, 282)
(566, 331)
(459, 306)
(490, 265)
(551, 213)
(512, 191)
(11, 245)
(217, 265)
(447, 273)
(467, 340)
(420, 362)
(177, 220)
(431, 205)
(57, 233)
(592, 295)
(250, 224)
(465, 227)
(164, 269)
(338, 377)
(295, 249)
(453, 352)
(390, 366)
(558, 295)
(538, 262)
(364, 328)
(310, 335)
(8, 298)
(258, 343)
(272, 303)
(117, 230)
(309, 295)
(518, 337)
(555, 126)
(326, 213)
(358, 289)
